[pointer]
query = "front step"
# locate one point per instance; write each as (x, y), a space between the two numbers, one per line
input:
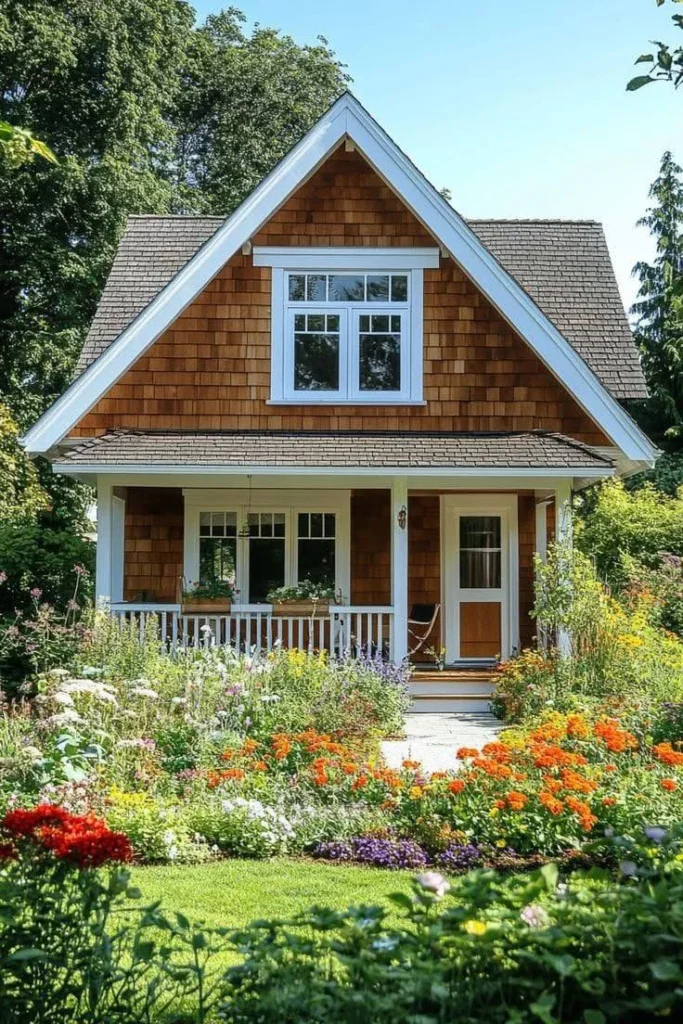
(461, 688)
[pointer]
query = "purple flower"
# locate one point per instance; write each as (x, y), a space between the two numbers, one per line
(459, 857)
(381, 853)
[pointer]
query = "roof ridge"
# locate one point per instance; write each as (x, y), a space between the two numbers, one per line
(176, 216)
(534, 220)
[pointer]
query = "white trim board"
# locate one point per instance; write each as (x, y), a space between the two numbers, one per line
(346, 119)
(346, 258)
(136, 469)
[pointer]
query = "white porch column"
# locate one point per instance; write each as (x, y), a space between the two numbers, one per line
(103, 559)
(541, 539)
(563, 536)
(399, 565)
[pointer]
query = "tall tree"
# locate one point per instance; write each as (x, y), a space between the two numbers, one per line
(94, 80)
(245, 100)
(660, 305)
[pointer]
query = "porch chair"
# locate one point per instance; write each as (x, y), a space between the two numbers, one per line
(421, 622)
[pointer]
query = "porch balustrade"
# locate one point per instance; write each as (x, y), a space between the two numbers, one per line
(352, 630)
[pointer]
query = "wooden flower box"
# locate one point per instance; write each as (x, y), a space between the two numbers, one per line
(301, 609)
(207, 606)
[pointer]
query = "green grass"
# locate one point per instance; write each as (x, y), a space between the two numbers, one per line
(235, 892)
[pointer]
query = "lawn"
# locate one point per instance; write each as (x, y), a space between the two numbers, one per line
(235, 892)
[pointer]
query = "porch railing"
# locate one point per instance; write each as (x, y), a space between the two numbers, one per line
(345, 629)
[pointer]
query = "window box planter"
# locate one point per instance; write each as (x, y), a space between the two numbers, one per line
(207, 606)
(302, 609)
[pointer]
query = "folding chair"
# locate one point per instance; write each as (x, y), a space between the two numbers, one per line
(421, 622)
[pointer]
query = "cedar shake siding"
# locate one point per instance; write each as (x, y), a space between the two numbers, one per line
(370, 547)
(153, 560)
(211, 369)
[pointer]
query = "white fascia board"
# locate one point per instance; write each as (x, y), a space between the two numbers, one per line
(345, 258)
(152, 469)
(347, 118)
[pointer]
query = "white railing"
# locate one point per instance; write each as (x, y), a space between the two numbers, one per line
(344, 629)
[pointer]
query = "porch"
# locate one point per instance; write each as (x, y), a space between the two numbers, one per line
(463, 559)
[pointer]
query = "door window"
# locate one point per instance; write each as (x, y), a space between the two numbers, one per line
(480, 553)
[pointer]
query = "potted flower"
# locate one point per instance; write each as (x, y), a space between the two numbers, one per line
(303, 599)
(208, 597)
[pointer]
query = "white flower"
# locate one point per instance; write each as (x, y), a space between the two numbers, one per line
(384, 944)
(270, 697)
(63, 698)
(69, 716)
(178, 700)
(102, 691)
(434, 882)
(33, 753)
(534, 916)
(172, 852)
(143, 691)
(58, 673)
(205, 629)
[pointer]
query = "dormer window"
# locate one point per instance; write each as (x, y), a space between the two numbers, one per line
(346, 324)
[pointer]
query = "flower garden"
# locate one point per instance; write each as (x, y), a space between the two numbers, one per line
(114, 755)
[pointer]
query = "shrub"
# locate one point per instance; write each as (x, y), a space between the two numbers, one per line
(525, 949)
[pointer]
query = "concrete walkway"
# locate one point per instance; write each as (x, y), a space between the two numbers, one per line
(433, 739)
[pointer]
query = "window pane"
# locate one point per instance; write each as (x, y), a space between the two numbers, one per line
(218, 524)
(297, 291)
(300, 322)
(480, 532)
(303, 524)
(480, 570)
(315, 322)
(316, 561)
(332, 323)
(396, 324)
(279, 524)
(266, 567)
(380, 362)
(346, 288)
(316, 362)
(316, 524)
(315, 287)
(205, 523)
(380, 323)
(378, 287)
(217, 559)
(364, 323)
(330, 524)
(399, 288)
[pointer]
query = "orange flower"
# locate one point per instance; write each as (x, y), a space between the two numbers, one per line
(492, 768)
(609, 801)
(516, 801)
(456, 786)
(551, 784)
(550, 802)
(586, 818)
(349, 768)
(360, 783)
(577, 727)
(227, 755)
(610, 767)
(411, 765)
(438, 775)
(249, 746)
(500, 804)
(260, 766)
(465, 752)
(614, 737)
(233, 773)
(497, 751)
(665, 753)
(669, 784)
(572, 780)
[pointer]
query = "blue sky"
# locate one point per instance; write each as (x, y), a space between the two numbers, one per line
(520, 108)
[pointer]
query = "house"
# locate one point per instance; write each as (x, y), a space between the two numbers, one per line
(348, 382)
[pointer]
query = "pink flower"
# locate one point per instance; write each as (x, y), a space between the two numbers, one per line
(80, 570)
(36, 593)
(3, 577)
(434, 882)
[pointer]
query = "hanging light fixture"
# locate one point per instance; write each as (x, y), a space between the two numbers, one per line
(244, 528)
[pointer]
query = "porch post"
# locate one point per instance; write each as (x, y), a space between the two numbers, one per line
(103, 560)
(399, 566)
(563, 536)
(541, 538)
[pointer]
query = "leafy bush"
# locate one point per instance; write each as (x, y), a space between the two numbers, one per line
(525, 949)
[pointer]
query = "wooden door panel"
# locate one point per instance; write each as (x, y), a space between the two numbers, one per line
(480, 629)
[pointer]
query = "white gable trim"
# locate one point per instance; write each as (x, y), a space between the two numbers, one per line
(346, 118)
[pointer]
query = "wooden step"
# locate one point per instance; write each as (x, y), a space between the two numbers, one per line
(446, 687)
(444, 704)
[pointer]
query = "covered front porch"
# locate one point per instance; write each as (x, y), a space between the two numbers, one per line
(426, 541)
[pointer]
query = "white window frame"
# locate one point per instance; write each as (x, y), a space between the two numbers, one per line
(289, 502)
(292, 260)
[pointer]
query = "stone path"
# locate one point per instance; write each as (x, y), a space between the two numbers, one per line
(433, 739)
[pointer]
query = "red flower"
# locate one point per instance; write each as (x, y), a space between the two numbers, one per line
(26, 823)
(84, 840)
(456, 786)
(669, 784)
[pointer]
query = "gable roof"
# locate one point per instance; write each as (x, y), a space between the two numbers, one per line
(379, 451)
(347, 119)
(564, 266)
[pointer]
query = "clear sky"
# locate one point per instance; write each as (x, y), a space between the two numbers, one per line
(519, 108)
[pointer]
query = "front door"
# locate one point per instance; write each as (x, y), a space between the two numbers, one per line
(478, 580)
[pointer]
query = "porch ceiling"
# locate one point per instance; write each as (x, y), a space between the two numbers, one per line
(185, 451)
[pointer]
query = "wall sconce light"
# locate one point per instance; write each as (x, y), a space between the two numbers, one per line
(402, 517)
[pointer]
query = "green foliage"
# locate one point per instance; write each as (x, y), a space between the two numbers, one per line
(642, 524)
(659, 307)
(521, 950)
(306, 590)
(246, 99)
(666, 62)
(21, 496)
(18, 146)
(209, 590)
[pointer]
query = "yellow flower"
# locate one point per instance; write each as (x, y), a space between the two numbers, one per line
(501, 843)
(494, 812)
(415, 792)
(473, 927)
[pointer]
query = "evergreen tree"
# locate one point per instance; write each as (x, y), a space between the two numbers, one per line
(659, 308)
